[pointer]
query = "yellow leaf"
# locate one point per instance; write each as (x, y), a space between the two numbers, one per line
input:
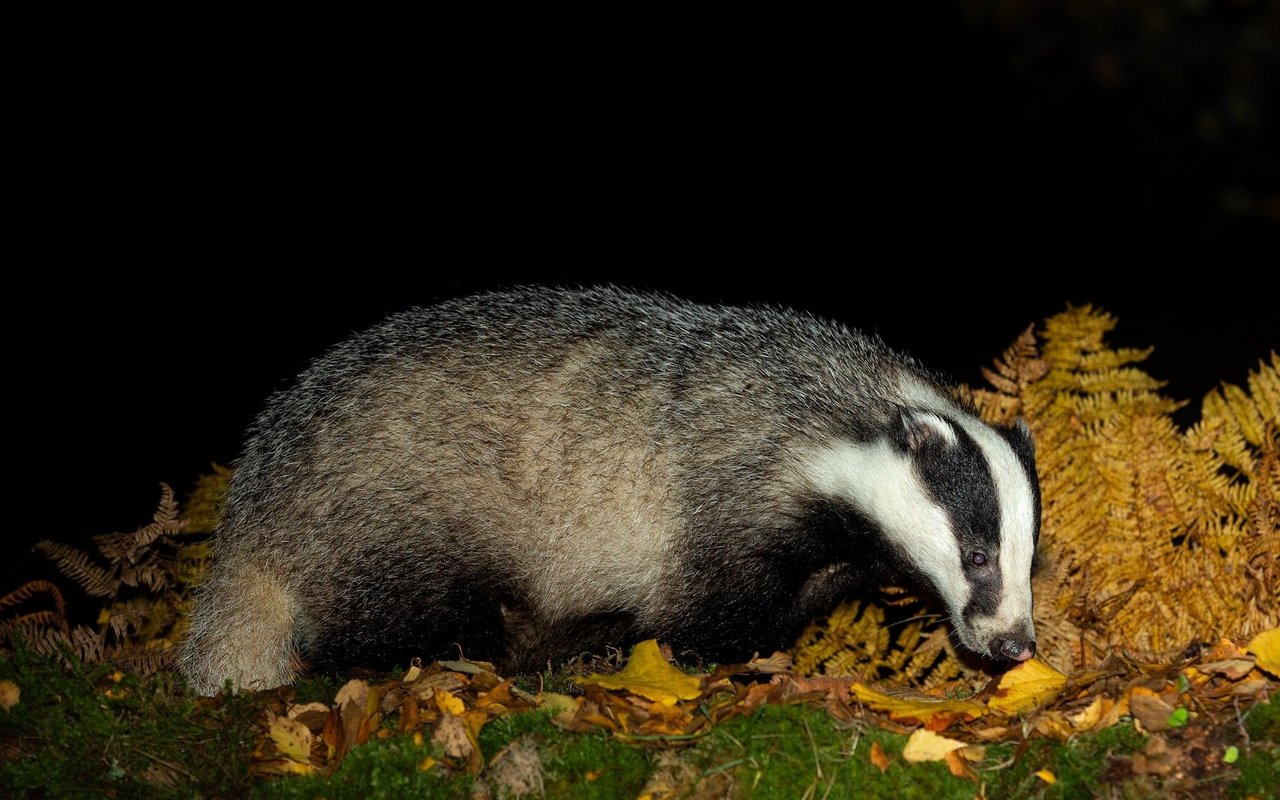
(925, 745)
(555, 703)
(922, 709)
(291, 738)
(649, 675)
(1028, 685)
(9, 694)
(448, 703)
(1046, 776)
(1101, 713)
(427, 763)
(1266, 647)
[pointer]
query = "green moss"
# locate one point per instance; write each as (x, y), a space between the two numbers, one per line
(1263, 722)
(1259, 770)
(386, 768)
(1077, 765)
(317, 688)
(1259, 774)
(81, 733)
(788, 751)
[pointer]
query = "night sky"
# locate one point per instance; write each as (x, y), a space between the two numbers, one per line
(221, 194)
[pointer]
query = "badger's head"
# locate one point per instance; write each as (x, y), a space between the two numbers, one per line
(958, 503)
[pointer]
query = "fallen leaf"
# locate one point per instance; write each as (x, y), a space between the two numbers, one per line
(310, 714)
(973, 752)
(1156, 758)
(1233, 669)
(778, 662)
(878, 759)
(291, 738)
(1149, 709)
(919, 708)
(992, 734)
(649, 675)
(1251, 688)
(1231, 754)
(758, 694)
(925, 745)
(9, 694)
(448, 703)
(1055, 725)
(1029, 685)
(1266, 647)
(1223, 650)
(558, 703)
(959, 767)
(1046, 776)
(1179, 717)
(468, 667)
(1087, 718)
(353, 691)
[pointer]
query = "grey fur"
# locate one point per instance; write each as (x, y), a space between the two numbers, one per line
(531, 473)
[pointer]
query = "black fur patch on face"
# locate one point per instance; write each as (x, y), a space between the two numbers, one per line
(1019, 438)
(958, 478)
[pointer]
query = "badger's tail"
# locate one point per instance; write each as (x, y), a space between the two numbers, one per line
(243, 629)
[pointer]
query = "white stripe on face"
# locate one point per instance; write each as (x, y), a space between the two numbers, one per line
(1017, 502)
(880, 482)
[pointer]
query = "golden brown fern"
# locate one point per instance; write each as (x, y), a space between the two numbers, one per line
(1152, 536)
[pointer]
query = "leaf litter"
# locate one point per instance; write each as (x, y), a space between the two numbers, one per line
(1180, 706)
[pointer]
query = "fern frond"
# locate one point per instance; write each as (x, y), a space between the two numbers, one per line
(29, 590)
(76, 565)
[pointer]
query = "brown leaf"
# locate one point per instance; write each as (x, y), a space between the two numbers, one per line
(312, 715)
(1150, 709)
(878, 759)
(959, 767)
(353, 691)
(1156, 758)
(1233, 669)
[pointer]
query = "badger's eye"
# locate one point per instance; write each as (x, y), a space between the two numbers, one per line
(978, 558)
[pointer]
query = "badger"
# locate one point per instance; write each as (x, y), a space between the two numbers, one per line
(530, 474)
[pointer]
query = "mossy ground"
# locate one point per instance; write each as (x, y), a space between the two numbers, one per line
(86, 733)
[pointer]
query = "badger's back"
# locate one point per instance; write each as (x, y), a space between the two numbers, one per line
(518, 460)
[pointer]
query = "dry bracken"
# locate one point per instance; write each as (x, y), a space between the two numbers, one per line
(1153, 537)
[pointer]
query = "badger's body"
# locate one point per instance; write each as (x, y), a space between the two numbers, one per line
(536, 473)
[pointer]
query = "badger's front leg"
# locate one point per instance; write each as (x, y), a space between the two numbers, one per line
(244, 629)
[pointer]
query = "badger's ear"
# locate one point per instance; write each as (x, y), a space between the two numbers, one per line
(915, 428)
(1021, 428)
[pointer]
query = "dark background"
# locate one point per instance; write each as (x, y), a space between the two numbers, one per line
(213, 196)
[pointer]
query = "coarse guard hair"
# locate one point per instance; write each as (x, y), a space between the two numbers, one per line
(534, 473)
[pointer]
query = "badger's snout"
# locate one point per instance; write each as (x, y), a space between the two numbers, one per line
(1014, 647)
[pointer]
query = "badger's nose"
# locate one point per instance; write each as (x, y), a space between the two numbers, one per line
(1016, 648)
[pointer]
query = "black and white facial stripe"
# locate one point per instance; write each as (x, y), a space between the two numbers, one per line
(960, 501)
